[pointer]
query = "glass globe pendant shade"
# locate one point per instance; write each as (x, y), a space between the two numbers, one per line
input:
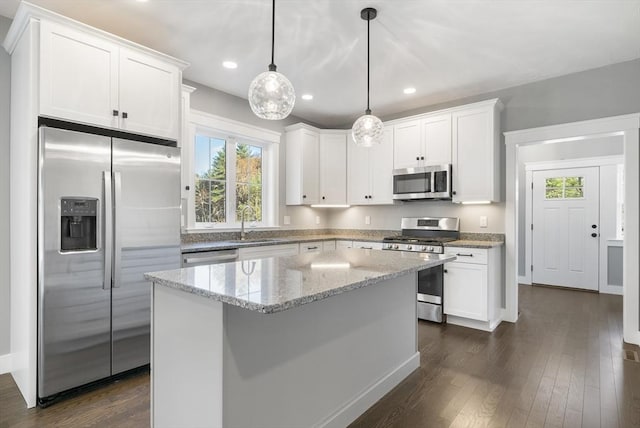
(271, 96)
(367, 131)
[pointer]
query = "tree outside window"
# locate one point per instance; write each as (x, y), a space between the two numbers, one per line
(228, 177)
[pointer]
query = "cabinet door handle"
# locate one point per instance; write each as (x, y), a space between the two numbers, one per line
(366, 248)
(125, 115)
(323, 198)
(370, 197)
(304, 196)
(464, 255)
(312, 248)
(417, 157)
(445, 271)
(453, 193)
(594, 235)
(421, 157)
(116, 113)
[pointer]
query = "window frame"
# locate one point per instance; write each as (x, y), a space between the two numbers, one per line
(232, 132)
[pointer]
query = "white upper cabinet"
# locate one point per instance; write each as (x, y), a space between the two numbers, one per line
(425, 141)
(436, 139)
(476, 153)
(370, 179)
(149, 95)
(316, 169)
(333, 168)
(95, 80)
(407, 145)
(303, 166)
(78, 76)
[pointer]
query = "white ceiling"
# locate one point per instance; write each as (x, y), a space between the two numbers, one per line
(446, 49)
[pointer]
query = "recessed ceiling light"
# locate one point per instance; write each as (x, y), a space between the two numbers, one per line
(409, 91)
(307, 97)
(230, 64)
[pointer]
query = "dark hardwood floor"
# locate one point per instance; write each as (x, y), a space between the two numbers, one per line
(562, 364)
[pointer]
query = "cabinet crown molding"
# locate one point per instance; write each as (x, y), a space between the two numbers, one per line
(28, 12)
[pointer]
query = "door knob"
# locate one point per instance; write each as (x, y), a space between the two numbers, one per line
(594, 235)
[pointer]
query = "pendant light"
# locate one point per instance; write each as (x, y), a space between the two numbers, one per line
(271, 94)
(368, 129)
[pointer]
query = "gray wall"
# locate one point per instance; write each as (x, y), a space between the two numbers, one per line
(5, 97)
(606, 91)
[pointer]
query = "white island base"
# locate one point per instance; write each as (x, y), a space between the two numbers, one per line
(319, 364)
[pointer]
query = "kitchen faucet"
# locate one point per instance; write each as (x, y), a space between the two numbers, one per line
(242, 214)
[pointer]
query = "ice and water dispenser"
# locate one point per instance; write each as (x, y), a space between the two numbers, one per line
(78, 224)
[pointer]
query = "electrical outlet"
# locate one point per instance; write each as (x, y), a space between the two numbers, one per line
(317, 219)
(367, 219)
(484, 222)
(287, 219)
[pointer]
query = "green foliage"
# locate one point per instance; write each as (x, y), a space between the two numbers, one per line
(210, 192)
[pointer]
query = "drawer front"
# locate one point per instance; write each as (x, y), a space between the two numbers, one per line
(268, 251)
(367, 245)
(311, 247)
(344, 244)
(468, 255)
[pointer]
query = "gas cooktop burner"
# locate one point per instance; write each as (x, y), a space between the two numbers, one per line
(434, 240)
(424, 234)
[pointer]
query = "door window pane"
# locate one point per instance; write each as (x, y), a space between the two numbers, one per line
(564, 188)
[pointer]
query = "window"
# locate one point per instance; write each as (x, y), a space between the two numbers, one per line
(564, 188)
(231, 174)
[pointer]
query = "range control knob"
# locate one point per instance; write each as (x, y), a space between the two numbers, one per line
(395, 247)
(429, 248)
(424, 248)
(409, 247)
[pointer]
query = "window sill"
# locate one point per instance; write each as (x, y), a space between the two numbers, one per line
(227, 229)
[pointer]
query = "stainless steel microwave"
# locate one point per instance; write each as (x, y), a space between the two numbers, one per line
(426, 182)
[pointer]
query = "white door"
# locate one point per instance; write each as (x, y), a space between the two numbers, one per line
(566, 227)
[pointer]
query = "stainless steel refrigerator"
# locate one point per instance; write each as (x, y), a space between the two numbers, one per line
(108, 211)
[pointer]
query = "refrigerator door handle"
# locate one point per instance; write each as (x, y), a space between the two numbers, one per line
(108, 230)
(117, 192)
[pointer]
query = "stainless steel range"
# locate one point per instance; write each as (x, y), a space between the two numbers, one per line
(426, 235)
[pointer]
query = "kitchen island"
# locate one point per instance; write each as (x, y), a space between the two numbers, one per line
(307, 340)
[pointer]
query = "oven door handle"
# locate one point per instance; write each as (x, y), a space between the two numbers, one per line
(428, 298)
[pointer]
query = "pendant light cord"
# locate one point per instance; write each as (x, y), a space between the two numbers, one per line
(272, 66)
(368, 111)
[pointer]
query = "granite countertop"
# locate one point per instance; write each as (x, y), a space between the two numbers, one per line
(276, 284)
(494, 241)
(469, 243)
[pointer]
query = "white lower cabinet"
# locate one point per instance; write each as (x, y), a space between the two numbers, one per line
(473, 287)
(341, 243)
(367, 245)
(328, 245)
(267, 251)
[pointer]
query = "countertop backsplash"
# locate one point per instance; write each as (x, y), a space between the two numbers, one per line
(192, 238)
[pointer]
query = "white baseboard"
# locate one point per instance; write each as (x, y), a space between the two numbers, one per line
(6, 363)
(478, 325)
(524, 280)
(367, 398)
(611, 289)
